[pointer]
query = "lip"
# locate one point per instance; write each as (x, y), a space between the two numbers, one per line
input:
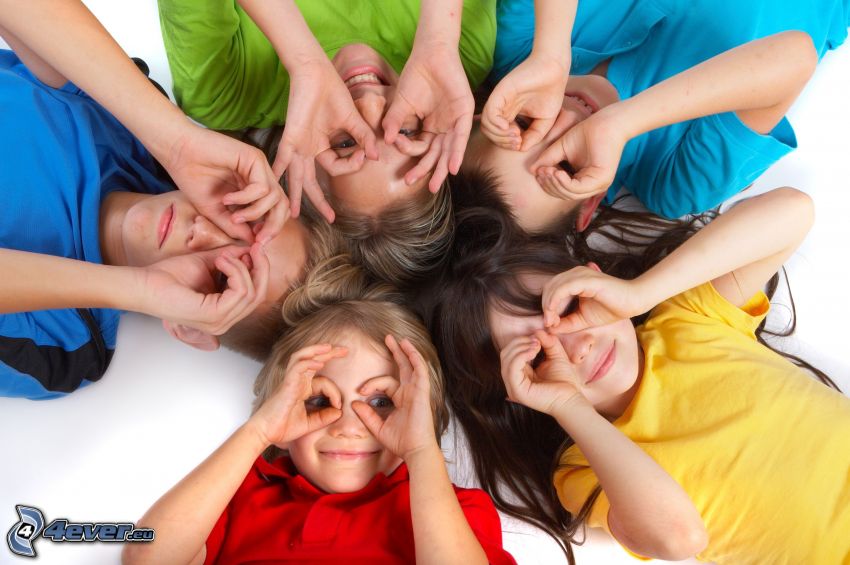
(166, 222)
(603, 364)
(348, 455)
(362, 70)
(594, 106)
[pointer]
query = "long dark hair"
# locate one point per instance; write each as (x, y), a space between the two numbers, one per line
(515, 450)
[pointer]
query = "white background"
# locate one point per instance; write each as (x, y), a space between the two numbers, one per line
(107, 452)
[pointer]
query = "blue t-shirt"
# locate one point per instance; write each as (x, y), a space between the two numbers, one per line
(690, 166)
(62, 154)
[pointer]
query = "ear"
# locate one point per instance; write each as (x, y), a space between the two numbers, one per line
(586, 210)
(191, 336)
(594, 266)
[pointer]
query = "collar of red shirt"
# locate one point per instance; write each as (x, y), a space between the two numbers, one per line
(282, 469)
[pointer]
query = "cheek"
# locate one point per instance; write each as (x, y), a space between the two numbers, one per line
(135, 236)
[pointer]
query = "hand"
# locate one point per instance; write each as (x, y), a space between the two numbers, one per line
(183, 289)
(434, 88)
(590, 298)
(550, 386)
(534, 90)
(592, 148)
(285, 416)
(409, 428)
(320, 106)
(217, 173)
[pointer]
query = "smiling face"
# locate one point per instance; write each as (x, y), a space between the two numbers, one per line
(605, 359)
(372, 83)
(150, 228)
(535, 209)
(344, 456)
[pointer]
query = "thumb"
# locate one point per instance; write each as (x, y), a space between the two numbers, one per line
(550, 157)
(322, 418)
(551, 345)
(535, 133)
(393, 120)
(369, 417)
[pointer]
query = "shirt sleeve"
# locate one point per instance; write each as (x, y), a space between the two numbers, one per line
(706, 302)
(484, 520)
(691, 167)
(215, 540)
(226, 72)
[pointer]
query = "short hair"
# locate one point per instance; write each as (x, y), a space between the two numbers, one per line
(338, 299)
(255, 335)
(406, 241)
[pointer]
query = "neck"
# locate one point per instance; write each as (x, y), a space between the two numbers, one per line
(113, 210)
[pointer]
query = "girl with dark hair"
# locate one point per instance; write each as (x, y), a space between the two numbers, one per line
(656, 418)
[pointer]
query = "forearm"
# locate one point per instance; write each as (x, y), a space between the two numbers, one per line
(440, 530)
(763, 74)
(184, 517)
(38, 66)
(439, 20)
(648, 508)
(35, 281)
(761, 232)
(117, 85)
(553, 28)
(286, 29)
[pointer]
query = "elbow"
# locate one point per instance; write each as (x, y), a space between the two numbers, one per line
(673, 541)
(800, 206)
(685, 542)
(802, 55)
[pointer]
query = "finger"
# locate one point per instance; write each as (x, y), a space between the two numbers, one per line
(394, 119)
(507, 139)
(420, 368)
(258, 208)
(404, 366)
(550, 157)
(535, 133)
(426, 163)
(414, 147)
(324, 386)
(441, 171)
(574, 322)
(495, 115)
(294, 182)
(336, 165)
(282, 159)
(387, 384)
(363, 135)
(373, 422)
(260, 273)
(317, 196)
(321, 418)
(247, 194)
(274, 222)
(336, 352)
(552, 346)
(458, 140)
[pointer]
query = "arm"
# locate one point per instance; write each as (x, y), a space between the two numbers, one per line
(649, 512)
(184, 517)
(39, 67)
(535, 88)
(433, 87)
(206, 165)
(440, 530)
(725, 252)
(758, 80)
(180, 289)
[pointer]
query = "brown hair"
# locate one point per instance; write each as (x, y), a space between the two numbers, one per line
(256, 334)
(336, 300)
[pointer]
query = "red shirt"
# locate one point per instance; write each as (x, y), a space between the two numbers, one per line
(277, 517)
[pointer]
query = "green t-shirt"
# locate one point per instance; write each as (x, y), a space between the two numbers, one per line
(228, 76)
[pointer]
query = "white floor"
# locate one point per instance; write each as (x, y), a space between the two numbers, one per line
(107, 452)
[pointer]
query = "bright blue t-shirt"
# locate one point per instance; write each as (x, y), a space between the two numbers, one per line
(62, 154)
(691, 166)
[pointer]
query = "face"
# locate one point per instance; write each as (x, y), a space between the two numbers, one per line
(605, 359)
(372, 83)
(534, 208)
(344, 456)
(158, 227)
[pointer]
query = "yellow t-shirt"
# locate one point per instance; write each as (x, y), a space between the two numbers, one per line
(761, 447)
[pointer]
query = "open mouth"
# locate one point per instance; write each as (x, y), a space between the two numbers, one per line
(361, 76)
(604, 364)
(583, 99)
(166, 222)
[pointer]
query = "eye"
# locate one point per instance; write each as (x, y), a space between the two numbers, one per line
(522, 122)
(409, 132)
(572, 306)
(317, 402)
(382, 404)
(343, 143)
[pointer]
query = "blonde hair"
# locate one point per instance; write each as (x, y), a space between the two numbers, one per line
(336, 300)
(256, 334)
(405, 241)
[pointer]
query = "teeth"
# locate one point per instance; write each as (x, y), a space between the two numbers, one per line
(365, 77)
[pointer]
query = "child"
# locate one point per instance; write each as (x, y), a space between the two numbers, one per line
(730, 125)
(728, 422)
(233, 69)
(353, 396)
(639, 44)
(85, 201)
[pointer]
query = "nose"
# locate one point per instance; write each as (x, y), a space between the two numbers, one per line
(371, 106)
(205, 235)
(578, 345)
(349, 425)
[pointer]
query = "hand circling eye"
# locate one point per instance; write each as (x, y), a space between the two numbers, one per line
(317, 402)
(381, 404)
